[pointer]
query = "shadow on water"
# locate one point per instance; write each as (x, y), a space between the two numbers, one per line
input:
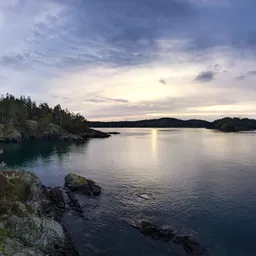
(17, 155)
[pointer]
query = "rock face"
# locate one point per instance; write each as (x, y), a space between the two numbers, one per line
(191, 246)
(77, 183)
(30, 217)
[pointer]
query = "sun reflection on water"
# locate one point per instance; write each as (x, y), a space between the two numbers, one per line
(154, 135)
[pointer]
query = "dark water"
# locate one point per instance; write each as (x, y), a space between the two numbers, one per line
(199, 182)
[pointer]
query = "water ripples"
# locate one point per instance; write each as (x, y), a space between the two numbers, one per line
(197, 181)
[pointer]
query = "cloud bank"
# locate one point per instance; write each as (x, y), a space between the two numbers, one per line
(132, 59)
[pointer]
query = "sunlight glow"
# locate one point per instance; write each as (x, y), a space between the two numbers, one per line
(154, 136)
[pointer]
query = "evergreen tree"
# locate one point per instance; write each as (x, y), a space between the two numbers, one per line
(17, 111)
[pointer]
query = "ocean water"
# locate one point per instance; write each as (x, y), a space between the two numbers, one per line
(197, 181)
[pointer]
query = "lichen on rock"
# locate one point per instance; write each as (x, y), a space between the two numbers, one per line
(82, 185)
(73, 180)
(40, 232)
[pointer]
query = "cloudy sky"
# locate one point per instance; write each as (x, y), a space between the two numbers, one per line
(132, 59)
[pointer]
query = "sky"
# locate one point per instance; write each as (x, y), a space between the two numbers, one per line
(132, 59)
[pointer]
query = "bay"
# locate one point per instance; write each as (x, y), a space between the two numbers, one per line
(197, 181)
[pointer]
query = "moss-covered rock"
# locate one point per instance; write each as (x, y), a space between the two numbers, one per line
(80, 184)
(73, 180)
(13, 187)
(22, 186)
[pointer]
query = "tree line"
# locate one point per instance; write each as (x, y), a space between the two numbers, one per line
(234, 124)
(18, 110)
(225, 124)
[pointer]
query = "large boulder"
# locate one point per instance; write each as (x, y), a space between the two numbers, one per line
(77, 183)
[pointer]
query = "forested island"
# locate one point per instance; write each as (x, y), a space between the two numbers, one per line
(225, 124)
(22, 119)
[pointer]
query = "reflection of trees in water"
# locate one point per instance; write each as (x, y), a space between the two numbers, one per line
(20, 154)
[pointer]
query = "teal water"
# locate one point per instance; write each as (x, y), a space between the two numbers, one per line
(199, 182)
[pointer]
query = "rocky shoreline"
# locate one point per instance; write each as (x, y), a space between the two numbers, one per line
(32, 130)
(32, 216)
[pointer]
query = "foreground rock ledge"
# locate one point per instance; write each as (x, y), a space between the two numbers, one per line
(30, 220)
(191, 246)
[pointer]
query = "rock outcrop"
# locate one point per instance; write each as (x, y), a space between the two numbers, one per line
(94, 134)
(30, 217)
(189, 244)
(77, 183)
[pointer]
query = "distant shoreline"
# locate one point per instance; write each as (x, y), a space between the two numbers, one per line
(226, 124)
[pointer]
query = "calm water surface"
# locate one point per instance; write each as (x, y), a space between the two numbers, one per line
(199, 182)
